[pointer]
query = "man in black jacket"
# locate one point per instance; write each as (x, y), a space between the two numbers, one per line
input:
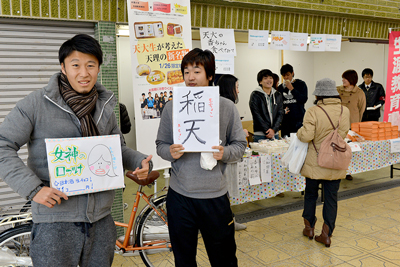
(266, 105)
(295, 96)
(374, 94)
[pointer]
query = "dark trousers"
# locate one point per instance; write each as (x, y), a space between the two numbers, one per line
(330, 207)
(67, 244)
(213, 217)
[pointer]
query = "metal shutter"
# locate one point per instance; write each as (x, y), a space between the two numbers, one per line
(28, 58)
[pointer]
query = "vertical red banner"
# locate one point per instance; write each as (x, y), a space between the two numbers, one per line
(392, 107)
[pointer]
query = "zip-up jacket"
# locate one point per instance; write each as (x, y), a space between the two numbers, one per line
(44, 114)
(259, 110)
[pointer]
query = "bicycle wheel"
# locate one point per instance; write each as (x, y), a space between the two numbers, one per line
(153, 231)
(17, 239)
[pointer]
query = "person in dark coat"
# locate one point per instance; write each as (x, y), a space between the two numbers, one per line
(125, 122)
(374, 94)
(295, 96)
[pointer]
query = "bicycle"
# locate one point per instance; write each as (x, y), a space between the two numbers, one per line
(15, 240)
(149, 233)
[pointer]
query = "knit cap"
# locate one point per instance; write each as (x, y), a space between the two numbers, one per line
(326, 87)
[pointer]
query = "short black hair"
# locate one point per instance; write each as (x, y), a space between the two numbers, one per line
(82, 43)
(143, 94)
(227, 87)
(351, 76)
(200, 57)
(367, 71)
(264, 73)
(325, 97)
(286, 68)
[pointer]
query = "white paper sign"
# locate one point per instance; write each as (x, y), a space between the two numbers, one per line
(196, 118)
(333, 42)
(86, 164)
(254, 171)
(218, 41)
(243, 173)
(298, 41)
(258, 39)
(395, 145)
(266, 168)
(225, 64)
(355, 147)
(280, 40)
(317, 43)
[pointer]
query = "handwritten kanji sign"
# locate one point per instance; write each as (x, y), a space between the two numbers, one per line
(86, 164)
(218, 41)
(196, 118)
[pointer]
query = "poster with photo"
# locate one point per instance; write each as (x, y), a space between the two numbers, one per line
(160, 36)
(280, 40)
(86, 164)
(317, 43)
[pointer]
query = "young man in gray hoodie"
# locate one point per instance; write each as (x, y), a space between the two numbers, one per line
(75, 230)
(197, 198)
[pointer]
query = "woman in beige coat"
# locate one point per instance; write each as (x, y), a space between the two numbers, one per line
(316, 127)
(353, 98)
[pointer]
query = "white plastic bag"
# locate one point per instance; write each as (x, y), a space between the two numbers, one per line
(298, 155)
(7, 258)
(289, 153)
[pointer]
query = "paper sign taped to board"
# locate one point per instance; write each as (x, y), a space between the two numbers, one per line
(85, 164)
(395, 145)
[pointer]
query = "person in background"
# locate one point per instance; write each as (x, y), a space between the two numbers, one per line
(79, 229)
(316, 127)
(295, 96)
(143, 104)
(157, 104)
(353, 98)
(374, 94)
(124, 120)
(170, 96)
(198, 198)
(276, 80)
(229, 88)
(266, 105)
(162, 103)
(150, 101)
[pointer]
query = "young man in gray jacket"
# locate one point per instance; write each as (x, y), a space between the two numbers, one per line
(67, 231)
(197, 198)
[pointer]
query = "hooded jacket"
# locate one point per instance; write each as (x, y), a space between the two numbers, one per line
(261, 115)
(44, 114)
(316, 126)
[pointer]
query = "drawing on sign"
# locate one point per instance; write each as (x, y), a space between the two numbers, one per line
(101, 161)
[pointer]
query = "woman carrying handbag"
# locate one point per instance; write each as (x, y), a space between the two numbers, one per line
(316, 127)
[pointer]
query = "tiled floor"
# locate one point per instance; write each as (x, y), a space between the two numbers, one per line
(367, 234)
